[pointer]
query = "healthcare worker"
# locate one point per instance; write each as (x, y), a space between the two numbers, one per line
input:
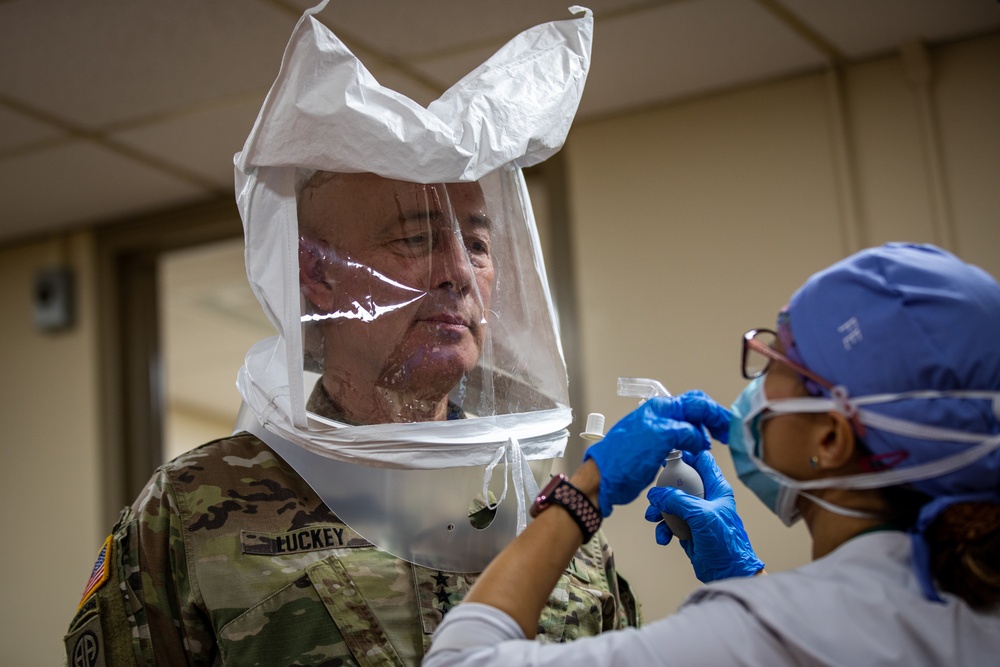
(394, 430)
(872, 414)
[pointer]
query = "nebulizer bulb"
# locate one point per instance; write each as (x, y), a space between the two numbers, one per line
(679, 475)
(676, 473)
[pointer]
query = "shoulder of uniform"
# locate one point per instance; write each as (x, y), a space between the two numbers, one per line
(594, 552)
(241, 445)
(229, 464)
(238, 452)
(234, 476)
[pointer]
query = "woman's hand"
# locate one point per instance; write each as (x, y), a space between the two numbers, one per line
(633, 451)
(719, 547)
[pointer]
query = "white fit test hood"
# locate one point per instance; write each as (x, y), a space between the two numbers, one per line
(407, 485)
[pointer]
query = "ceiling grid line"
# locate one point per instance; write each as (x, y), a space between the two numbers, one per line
(834, 56)
(75, 132)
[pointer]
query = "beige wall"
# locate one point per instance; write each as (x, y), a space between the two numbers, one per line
(696, 222)
(691, 224)
(50, 480)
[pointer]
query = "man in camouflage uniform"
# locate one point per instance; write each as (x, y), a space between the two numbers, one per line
(228, 556)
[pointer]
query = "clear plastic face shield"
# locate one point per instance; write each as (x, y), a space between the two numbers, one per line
(417, 300)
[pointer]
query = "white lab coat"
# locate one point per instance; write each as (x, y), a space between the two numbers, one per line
(860, 605)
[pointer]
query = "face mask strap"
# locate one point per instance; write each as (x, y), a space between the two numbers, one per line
(840, 401)
(852, 408)
(843, 511)
(845, 406)
(915, 430)
(928, 470)
(875, 466)
(872, 480)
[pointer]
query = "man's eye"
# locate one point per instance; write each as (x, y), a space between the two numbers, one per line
(414, 244)
(477, 246)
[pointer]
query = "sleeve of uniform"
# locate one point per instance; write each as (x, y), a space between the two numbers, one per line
(590, 597)
(100, 632)
(142, 611)
(720, 631)
(627, 611)
(168, 619)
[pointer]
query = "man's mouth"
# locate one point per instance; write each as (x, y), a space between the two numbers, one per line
(447, 319)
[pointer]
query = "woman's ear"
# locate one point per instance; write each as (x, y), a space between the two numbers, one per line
(837, 443)
(314, 261)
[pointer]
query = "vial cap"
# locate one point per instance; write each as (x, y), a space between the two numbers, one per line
(595, 427)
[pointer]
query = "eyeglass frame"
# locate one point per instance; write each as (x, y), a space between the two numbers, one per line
(749, 343)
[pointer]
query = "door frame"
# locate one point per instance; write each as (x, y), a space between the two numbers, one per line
(130, 350)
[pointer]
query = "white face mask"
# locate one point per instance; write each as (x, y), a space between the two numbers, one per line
(779, 491)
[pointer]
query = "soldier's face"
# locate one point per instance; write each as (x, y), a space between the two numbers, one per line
(405, 278)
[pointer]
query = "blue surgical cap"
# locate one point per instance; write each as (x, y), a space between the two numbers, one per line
(902, 318)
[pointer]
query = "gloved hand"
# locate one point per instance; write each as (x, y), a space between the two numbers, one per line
(635, 448)
(719, 547)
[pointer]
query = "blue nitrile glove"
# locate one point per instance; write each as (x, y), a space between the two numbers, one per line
(719, 547)
(635, 448)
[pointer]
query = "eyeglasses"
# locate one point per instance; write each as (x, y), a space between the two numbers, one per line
(759, 352)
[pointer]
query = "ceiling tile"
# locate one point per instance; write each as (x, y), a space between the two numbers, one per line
(670, 51)
(106, 61)
(79, 183)
(18, 130)
(865, 28)
(688, 49)
(431, 28)
(203, 143)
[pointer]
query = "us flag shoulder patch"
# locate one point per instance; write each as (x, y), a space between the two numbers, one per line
(100, 572)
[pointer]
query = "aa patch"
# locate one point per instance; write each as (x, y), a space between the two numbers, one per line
(85, 644)
(100, 572)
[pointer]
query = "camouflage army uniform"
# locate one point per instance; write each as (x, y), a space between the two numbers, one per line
(229, 557)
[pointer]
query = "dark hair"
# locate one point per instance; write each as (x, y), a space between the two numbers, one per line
(964, 541)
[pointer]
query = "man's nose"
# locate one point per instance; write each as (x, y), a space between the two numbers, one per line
(450, 267)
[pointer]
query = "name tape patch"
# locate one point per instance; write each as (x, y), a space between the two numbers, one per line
(315, 538)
